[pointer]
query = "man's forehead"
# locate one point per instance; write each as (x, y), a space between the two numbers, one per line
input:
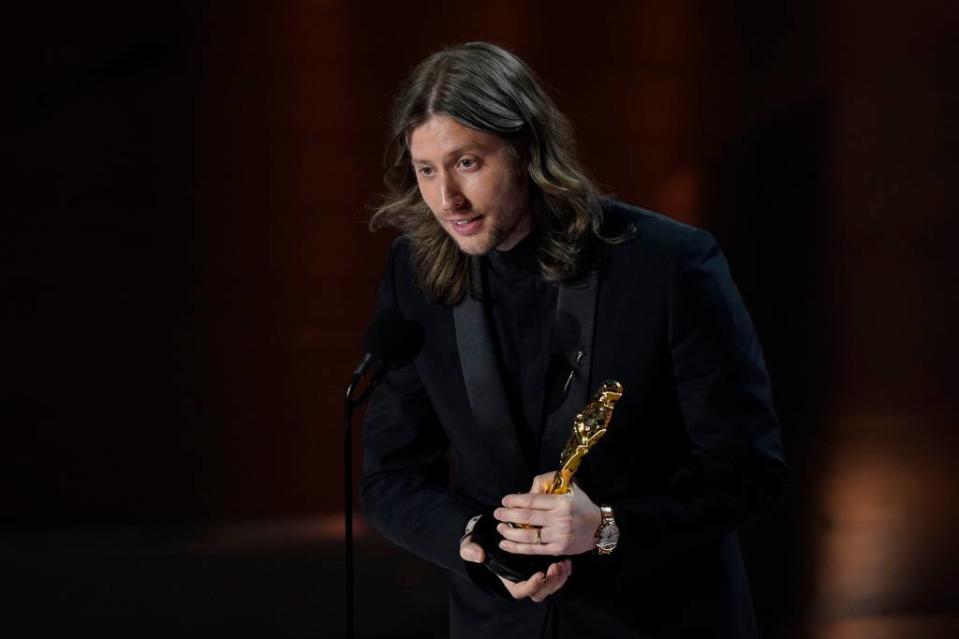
(442, 136)
(429, 154)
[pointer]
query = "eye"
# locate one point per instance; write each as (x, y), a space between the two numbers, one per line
(425, 171)
(468, 163)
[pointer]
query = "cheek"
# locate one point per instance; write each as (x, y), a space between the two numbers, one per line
(427, 194)
(511, 200)
(511, 190)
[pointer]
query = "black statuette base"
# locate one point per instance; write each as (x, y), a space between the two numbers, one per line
(506, 564)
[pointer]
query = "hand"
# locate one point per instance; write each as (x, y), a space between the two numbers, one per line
(538, 587)
(561, 524)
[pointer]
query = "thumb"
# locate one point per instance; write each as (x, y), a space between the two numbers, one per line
(472, 552)
(542, 482)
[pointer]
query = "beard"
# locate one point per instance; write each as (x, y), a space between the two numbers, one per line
(496, 231)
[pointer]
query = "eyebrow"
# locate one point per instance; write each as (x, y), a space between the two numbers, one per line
(458, 151)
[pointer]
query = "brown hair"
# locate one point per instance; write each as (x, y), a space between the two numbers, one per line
(488, 88)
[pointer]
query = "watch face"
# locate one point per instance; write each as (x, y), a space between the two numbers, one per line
(609, 535)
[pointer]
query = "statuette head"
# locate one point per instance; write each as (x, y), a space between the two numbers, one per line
(609, 393)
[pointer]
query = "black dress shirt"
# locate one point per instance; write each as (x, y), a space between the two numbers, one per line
(522, 307)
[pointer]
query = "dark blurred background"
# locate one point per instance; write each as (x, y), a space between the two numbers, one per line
(186, 276)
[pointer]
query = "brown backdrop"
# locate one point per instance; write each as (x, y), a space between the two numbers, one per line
(188, 273)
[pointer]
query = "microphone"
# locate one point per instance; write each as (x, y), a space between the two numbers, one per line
(390, 342)
(565, 356)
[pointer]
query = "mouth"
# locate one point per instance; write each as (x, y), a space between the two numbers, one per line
(467, 225)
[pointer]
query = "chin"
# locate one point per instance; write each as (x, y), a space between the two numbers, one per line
(475, 249)
(475, 246)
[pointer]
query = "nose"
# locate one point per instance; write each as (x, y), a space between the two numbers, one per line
(451, 197)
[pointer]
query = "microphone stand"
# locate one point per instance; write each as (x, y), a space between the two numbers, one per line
(348, 407)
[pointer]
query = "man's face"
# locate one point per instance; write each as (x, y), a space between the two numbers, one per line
(471, 183)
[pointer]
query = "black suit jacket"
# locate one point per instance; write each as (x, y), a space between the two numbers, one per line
(692, 454)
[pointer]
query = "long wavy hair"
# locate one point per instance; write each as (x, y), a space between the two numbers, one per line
(488, 88)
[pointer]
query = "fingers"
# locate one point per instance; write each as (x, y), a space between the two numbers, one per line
(550, 513)
(540, 586)
(533, 541)
(534, 501)
(556, 577)
(470, 551)
(530, 549)
(523, 516)
(533, 535)
(523, 589)
(534, 509)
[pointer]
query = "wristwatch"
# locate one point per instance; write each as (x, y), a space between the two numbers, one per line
(470, 525)
(607, 535)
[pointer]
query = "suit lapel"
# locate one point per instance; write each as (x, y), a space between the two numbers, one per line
(576, 308)
(484, 385)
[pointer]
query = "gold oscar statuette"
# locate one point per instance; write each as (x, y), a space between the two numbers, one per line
(589, 426)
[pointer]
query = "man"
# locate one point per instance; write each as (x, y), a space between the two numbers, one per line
(532, 290)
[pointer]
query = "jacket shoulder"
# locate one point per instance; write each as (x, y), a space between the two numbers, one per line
(399, 261)
(398, 283)
(640, 229)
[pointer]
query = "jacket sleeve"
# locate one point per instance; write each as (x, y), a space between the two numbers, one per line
(404, 490)
(736, 469)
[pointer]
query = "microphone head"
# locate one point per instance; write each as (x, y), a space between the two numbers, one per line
(563, 359)
(394, 340)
